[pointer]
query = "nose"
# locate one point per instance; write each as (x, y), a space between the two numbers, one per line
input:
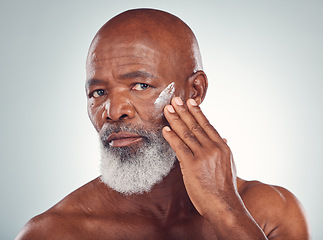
(118, 107)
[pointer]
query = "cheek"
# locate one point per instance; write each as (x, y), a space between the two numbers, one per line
(148, 113)
(165, 97)
(156, 110)
(95, 115)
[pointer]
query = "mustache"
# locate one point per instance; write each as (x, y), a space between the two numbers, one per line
(108, 129)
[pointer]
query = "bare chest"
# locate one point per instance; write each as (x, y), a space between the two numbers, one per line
(119, 229)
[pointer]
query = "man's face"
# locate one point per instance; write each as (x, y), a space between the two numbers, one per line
(128, 85)
(125, 80)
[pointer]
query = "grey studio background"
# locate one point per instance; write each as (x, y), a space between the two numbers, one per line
(263, 60)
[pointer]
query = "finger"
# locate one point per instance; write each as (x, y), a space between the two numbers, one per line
(192, 125)
(226, 141)
(180, 148)
(197, 113)
(181, 130)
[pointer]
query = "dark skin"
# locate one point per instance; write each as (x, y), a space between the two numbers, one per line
(201, 198)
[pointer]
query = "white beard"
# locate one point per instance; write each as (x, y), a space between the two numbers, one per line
(135, 170)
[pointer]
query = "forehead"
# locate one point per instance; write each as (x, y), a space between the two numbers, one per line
(122, 54)
(113, 49)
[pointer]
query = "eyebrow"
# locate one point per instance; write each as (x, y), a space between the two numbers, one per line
(92, 81)
(137, 74)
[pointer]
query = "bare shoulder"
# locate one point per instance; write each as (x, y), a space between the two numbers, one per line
(48, 225)
(276, 210)
(64, 220)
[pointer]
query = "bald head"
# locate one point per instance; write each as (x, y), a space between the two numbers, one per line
(155, 29)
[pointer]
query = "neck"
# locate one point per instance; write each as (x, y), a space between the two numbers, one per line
(167, 200)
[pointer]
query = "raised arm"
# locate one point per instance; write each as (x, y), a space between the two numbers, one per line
(208, 172)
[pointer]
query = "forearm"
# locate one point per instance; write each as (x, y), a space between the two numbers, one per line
(232, 221)
(208, 171)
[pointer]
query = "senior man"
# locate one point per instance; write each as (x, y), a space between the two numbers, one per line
(166, 172)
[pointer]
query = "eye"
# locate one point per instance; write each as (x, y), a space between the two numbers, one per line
(98, 93)
(140, 86)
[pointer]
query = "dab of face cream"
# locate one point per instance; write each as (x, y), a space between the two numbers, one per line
(106, 107)
(165, 96)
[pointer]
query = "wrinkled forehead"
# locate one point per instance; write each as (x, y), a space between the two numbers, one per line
(120, 51)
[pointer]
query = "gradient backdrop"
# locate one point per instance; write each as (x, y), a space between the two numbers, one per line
(263, 60)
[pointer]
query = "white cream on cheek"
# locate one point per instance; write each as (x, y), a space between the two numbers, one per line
(106, 108)
(164, 97)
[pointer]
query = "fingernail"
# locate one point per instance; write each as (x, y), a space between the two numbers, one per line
(167, 129)
(178, 101)
(170, 108)
(192, 102)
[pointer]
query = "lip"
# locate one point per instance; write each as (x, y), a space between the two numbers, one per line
(123, 139)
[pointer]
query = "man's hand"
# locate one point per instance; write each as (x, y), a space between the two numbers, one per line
(205, 159)
(208, 171)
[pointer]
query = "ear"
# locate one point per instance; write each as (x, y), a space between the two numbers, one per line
(197, 85)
